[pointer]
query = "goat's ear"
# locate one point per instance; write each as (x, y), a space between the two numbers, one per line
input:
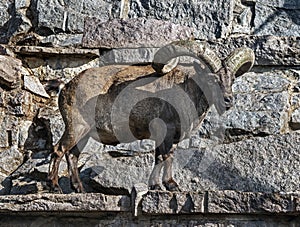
(240, 61)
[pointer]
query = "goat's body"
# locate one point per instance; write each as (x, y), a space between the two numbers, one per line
(118, 103)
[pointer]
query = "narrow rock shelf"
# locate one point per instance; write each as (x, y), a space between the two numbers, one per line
(158, 203)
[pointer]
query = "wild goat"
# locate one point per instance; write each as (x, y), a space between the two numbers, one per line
(162, 101)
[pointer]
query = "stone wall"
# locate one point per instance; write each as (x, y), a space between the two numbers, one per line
(42, 41)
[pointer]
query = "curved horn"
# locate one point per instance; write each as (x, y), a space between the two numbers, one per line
(166, 58)
(240, 61)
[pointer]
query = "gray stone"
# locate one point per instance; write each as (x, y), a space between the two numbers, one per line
(296, 116)
(63, 67)
(264, 164)
(2, 97)
(205, 17)
(48, 51)
(248, 202)
(269, 50)
(23, 130)
(267, 82)
(227, 202)
(20, 103)
(132, 33)
(279, 18)
(72, 202)
(6, 50)
(62, 40)
(159, 202)
(56, 124)
(33, 85)
(5, 16)
(270, 203)
(10, 71)
(261, 103)
(295, 119)
(68, 16)
(137, 193)
(9, 132)
(115, 175)
(128, 56)
(265, 122)
(242, 17)
(10, 158)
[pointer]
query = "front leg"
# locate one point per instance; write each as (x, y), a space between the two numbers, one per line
(154, 181)
(168, 181)
(164, 150)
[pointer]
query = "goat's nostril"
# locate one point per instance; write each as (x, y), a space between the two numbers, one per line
(228, 102)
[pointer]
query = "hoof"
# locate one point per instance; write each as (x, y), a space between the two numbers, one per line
(53, 188)
(171, 185)
(80, 190)
(56, 189)
(155, 187)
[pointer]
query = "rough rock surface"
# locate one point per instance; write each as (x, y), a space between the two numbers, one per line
(10, 74)
(258, 155)
(220, 202)
(262, 102)
(203, 16)
(58, 203)
(269, 50)
(68, 16)
(277, 17)
(264, 164)
(132, 33)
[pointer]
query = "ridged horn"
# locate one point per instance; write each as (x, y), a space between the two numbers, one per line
(240, 61)
(166, 58)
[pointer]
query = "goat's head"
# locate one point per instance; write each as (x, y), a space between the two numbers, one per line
(236, 64)
(217, 78)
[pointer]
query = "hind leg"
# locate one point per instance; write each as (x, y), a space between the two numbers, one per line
(168, 181)
(69, 139)
(53, 169)
(72, 160)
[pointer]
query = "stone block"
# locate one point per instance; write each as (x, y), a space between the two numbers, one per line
(11, 159)
(117, 174)
(19, 103)
(248, 202)
(205, 17)
(72, 202)
(62, 40)
(10, 71)
(270, 203)
(260, 164)
(295, 119)
(261, 103)
(132, 33)
(5, 16)
(33, 85)
(261, 122)
(227, 202)
(9, 130)
(266, 82)
(63, 67)
(269, 50)
(280, 18)
(159, 202)
(128, 56)
(68, 16)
